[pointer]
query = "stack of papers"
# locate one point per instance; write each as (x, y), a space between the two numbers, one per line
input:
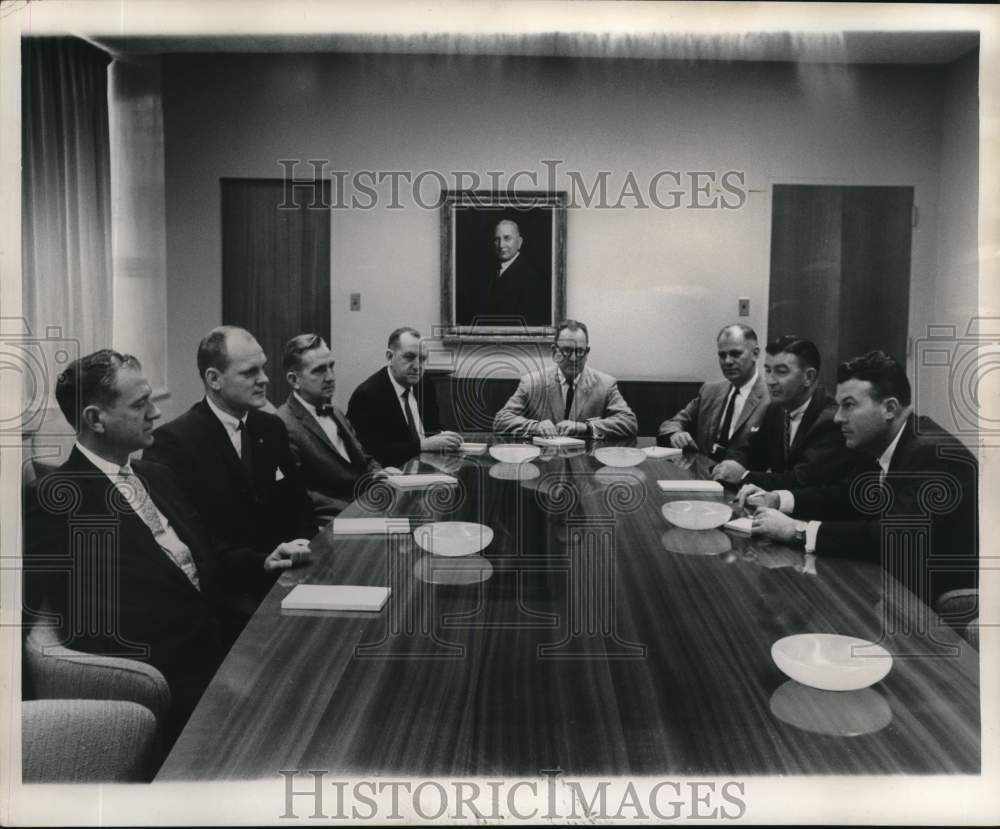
(335, 597)
(370, 526)
(691, 486)
(739, 525)
(472, 448)
(420, 481)
(560, 440)
(662, 451)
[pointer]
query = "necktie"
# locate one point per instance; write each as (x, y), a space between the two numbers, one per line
(333, 431)
(409, 416)
(570, 390)
(246, 447)
(727, 419)
(788, 433)
(324, 411)
(138, 498)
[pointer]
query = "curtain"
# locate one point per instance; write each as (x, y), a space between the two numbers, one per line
(66, 191)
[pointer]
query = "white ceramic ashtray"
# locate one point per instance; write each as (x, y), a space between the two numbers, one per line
(697, 515)
(620, 455)
(514, 471)
(453, 538)
(514, 452)
(831, 662)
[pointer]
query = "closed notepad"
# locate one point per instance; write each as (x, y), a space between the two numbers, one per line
(561, 440)
(370, 526)
(420, 481)
(335, 597)
(690, 486)
(663, 451)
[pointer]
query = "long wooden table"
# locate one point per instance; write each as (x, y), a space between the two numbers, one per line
(590, 636)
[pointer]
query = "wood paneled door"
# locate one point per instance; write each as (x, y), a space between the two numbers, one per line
(276, 264)
(840, 269)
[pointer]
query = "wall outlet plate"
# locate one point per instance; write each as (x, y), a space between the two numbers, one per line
(355, 302)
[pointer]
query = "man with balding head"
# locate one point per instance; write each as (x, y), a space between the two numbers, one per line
(726, 412)
(233, 459)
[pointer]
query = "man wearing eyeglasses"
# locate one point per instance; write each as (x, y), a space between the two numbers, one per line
(568, 398)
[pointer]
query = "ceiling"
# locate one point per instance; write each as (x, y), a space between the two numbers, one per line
(931, 47)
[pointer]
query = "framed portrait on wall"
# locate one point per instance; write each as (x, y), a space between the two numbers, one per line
(503, 264)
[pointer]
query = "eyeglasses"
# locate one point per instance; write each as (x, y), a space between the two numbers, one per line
(570, 353)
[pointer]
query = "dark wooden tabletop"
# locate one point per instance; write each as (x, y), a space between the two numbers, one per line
(590, 636)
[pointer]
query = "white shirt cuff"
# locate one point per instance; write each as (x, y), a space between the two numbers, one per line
(786, 501)
(812, 528)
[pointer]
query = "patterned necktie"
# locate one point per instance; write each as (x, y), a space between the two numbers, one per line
(138, 498)
(409, 415)
(570, 391)
(727, 419)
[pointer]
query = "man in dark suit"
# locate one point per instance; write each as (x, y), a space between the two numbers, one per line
(911, 505)
(394, 412)
(233, 459)
(333, 462)
(797, 443)
(724, 414)
(117, 552)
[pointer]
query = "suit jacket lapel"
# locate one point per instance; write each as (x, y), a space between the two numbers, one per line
(557, 405)
(753, 401)
(221, 443)
(310, 424)
(353, 450)
(809, 416)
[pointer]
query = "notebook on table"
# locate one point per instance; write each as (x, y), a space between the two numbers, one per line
(335, 597)
(713, 487)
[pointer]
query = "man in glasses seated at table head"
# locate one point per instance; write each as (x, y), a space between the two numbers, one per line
(725, 412)
(912, 480)
(797, 443)
(569, 398)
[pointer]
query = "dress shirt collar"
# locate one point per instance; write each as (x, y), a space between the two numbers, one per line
(309, 407)
(109, 468)
(231, 423)
(795, 415)
(508, 263)
(886, 457)
(397, 385)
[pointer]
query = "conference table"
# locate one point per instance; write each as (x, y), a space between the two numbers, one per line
(590, 635)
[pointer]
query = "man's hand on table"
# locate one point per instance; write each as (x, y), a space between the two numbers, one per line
(729, 472)
(546, 428)
(752, 497)
(774, 524)
(288, 554)
(572, 428)
(441, 442)
(682, 440)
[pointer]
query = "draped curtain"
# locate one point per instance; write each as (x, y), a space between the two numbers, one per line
(66, 190)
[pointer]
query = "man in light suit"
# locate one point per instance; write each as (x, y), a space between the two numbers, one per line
(798, 443)
(119, 554)
(394, 412)
(332, 460)
(725, 412)
(569, 398)
(913, 481)
(233, 459)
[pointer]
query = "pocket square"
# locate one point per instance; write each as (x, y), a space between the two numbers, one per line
(278, 475)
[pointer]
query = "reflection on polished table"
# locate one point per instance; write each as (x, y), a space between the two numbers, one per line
(590, 636)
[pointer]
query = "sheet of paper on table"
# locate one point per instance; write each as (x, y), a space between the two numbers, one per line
(420, 481)
(662, 451)
(560, 440)
(472, 448)
(691, 486)
(370, 526)
(739, 525)
(335, 597)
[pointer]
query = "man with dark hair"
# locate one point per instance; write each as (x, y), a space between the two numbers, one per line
(798, 443)
(332, 460)
(569, 398)
(911, 504)
(726, 412)
(395, 411)
(114, 548)
(233, 459)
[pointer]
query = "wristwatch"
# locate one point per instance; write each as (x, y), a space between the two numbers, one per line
(800, 533)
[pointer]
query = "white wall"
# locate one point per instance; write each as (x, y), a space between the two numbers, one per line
(654, 285)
